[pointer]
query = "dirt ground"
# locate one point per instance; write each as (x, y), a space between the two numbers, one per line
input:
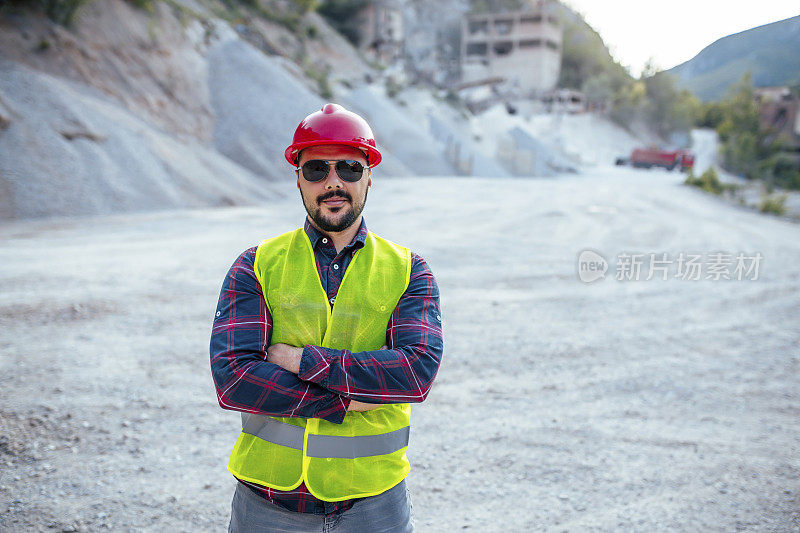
(650, 405)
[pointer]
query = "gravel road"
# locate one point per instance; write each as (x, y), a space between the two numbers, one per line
(649, 405)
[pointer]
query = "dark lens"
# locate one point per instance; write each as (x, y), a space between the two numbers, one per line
(349, 170)
(315, 170)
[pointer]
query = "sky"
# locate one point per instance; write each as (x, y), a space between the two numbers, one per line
(675, 31)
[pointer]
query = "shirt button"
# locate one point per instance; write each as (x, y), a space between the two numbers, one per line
(324, 240)
(336, 267)
(219, 313)
(332, 300)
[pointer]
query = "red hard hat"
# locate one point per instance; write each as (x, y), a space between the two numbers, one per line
(333, 124)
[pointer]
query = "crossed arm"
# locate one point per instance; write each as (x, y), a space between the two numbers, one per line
(315, 382)
(289, 357)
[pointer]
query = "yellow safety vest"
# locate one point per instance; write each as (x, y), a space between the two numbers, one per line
(365, 455)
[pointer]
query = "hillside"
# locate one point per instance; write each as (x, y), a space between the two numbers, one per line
(585, 55)
(183, 105)
(771, 53)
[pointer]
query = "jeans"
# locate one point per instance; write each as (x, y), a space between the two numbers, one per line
(389, 512)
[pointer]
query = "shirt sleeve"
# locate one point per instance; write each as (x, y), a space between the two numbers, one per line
(404, 373)
(244, 379)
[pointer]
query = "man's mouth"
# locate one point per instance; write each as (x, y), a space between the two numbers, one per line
(334, 201)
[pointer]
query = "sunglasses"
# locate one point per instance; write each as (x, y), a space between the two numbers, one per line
(317, 169)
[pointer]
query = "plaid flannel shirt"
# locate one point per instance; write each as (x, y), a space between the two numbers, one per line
(328, 379)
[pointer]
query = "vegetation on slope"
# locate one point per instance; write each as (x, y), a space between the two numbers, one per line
(286, 13)
(654, 99)
(747, 149)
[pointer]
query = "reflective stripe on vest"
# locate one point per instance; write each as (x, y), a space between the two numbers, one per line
(270, 430)
(365, 454)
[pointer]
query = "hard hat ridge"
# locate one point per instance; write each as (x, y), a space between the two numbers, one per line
(333, 124)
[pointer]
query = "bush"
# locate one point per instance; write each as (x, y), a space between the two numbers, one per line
(312, 32)
(452, 98)
(147, 5)
(773, 204)
(321, 77)
(64, 11)
(306, 5)
(393, 88)
(708, 181)
(781, 169)
(59, 11)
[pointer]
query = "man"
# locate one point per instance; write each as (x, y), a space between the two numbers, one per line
(323, 336)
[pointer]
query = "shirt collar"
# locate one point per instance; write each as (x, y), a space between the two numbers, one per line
(315, 235)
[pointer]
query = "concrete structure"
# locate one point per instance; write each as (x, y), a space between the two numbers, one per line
(522, 154)
(381, 22)
(779, 110)
(523, 48)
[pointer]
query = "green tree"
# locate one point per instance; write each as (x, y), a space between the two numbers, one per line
(739, 131)
(600, 88)
(629, 103)
(668, 109)
(584, 57)
(740, 109)
(711, 115)
(746, 148)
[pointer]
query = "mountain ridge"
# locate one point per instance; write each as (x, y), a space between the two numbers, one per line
(770, 52)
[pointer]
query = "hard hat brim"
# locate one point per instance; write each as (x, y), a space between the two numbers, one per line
(373, 155)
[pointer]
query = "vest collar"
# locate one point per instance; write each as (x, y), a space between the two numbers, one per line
(314, 235)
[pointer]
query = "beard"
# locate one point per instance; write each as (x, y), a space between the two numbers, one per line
(342, 218)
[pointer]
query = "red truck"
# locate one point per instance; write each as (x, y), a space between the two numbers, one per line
(653, 157)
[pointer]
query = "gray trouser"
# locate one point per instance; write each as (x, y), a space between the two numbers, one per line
(389, 512)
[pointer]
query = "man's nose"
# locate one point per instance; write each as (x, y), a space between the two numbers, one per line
(333, 181)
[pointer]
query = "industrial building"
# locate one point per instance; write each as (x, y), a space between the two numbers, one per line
(522, 48)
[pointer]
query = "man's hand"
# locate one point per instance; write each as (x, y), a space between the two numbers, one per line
(285, 356)
(288, 358)
(361, 406)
